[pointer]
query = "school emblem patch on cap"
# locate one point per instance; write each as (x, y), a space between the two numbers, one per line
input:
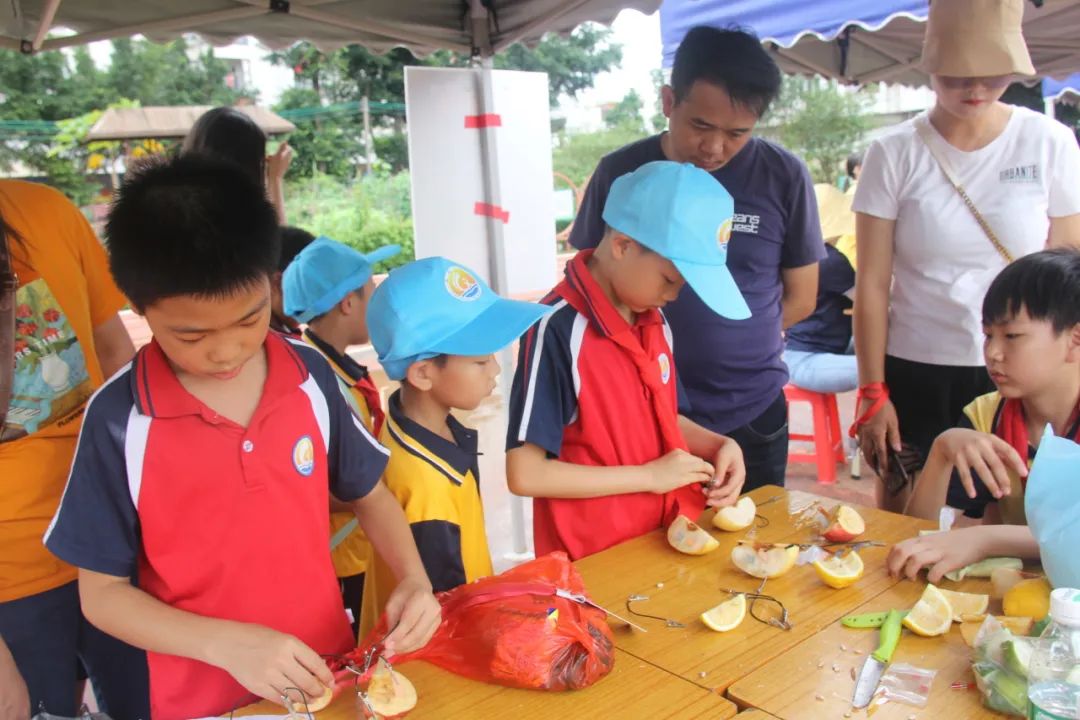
(461, 284)
(303, 456)
(723, 233)
(665, 367)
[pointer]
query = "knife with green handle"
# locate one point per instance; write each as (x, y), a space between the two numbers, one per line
(867, 620)
(874, 666)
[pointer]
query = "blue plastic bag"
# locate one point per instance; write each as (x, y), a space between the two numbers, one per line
(1052, 505)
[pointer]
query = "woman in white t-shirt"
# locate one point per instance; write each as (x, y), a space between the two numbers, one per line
(924, 261)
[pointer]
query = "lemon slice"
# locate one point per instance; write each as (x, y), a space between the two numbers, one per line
(727, 615)
(966, 604)
(840, 572)
(931, 616)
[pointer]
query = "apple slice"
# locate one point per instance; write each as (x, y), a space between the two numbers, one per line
(686, 537)
(314, 705)
(768, 561)
(845, 525)
(389, 693)
(736, 517)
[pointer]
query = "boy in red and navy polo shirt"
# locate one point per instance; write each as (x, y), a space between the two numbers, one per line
(196, 509)
(597, 435)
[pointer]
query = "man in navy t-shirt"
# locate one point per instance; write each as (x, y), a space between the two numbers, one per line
(722, 83)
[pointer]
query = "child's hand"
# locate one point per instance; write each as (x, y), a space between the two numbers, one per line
(413, 613)
(677, 469)
(266, 662)
(278, 163)
(987, 455)
(727, 483)
(940, 552)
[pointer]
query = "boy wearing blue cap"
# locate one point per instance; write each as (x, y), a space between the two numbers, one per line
(328, 285)
(597, 429)
(436, 325)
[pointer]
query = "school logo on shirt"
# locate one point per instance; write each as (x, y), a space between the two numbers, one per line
(303, 456)
(461, 284)
(723, 234)
(665, 367)
(1020, 174)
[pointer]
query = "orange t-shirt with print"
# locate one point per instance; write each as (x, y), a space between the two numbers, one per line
(65, 291)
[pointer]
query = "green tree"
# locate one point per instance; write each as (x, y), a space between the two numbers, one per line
(576, 155)
(820, 122)
(571, 62)
(658, 120)
(626, 113)
(330, 145)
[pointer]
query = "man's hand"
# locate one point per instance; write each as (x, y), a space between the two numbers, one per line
(678, 469)
(267, 662)
(988, 456)
(413, 613)
(940, 552)
(727, 483)
(14, 698)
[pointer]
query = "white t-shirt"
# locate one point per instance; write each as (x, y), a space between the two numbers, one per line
(943, 262)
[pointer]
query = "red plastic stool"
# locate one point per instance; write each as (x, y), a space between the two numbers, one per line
(827, 440)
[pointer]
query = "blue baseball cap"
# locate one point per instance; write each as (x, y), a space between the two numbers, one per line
(435, 306)
(323, 273)
(684, 214)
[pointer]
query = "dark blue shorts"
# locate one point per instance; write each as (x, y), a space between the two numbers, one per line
(55, 647)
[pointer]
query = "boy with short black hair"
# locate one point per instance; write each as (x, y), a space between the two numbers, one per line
(436, 325)
(196, 508)
(293, 240)
(1031, 317)
(328, 286)
(597, 433)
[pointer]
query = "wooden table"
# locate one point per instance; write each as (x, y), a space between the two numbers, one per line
(634, 688)
(803, 681)
(691, 585)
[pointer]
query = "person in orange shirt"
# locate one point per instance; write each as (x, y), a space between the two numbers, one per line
(68, 338)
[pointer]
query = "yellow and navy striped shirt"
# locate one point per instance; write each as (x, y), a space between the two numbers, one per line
(437, 483)
(351, 554)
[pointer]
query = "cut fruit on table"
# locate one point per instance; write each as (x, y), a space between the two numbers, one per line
(931, 616)
(839, 571)
(844, 525)
(764, 561)
(389, 693)
(965, 605)
(736, 517)
(316, 704)
(728, 615)
(1019, 626)
(686, 537)
(1028, 598)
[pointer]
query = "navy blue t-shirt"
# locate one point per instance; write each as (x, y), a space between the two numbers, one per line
(731, 369)
(828, 329)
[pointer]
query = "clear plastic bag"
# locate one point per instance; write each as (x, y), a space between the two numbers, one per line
(999, 675)
(906, 684)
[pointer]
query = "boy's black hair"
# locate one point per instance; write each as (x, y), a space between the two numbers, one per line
(1046, 284)
(229, 134)
(854, 160)
(731, 59)
(190, 225)
(293, 240)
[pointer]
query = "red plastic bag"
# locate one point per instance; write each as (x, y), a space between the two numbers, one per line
(512, 629)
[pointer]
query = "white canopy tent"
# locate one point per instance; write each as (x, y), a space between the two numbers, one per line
(472, 27)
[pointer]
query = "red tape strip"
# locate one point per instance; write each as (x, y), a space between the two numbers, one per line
(474, 122)
(493, 211)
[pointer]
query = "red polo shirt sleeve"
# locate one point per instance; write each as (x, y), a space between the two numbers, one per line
(543, 398)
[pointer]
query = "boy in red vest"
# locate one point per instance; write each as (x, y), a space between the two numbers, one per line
(596, 432)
